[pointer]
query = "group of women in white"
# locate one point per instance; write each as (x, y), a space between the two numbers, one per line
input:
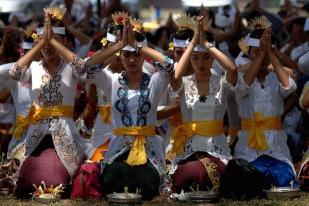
(125, 141)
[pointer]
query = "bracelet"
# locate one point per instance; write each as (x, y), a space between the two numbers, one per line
(209, 45)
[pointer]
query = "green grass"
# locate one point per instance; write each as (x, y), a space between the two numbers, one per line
(302, 201)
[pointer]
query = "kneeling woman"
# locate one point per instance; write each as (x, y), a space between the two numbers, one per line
(51, 148)
(135, 158)
(200, 144)
(260, 94)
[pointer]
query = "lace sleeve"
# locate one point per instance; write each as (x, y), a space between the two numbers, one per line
(82, 69)
(167, 67)
(16, 72)
(241, 89)
(286, 91)
(78, 65)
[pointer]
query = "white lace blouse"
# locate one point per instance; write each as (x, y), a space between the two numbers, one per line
(214, 107)
(102, 131)
(22, 100)
(268, 99)
(48, 91)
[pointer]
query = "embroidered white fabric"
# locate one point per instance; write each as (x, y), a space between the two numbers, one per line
(213, 108)
(53, 91)
(121, 144)
(270, 102)
(20, 92)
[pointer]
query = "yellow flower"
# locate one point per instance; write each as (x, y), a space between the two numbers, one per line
(104, 41)
(35, 37)
(171, 46)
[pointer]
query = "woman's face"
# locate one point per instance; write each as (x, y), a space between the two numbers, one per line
(132, 61)
(201, 61)
(116, 64)
(48, 52)
(178, 52)
(254, 52)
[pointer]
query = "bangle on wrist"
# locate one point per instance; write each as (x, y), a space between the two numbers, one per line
(209, 45)
(139, 46)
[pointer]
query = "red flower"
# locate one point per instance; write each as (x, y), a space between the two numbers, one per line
(119, 20)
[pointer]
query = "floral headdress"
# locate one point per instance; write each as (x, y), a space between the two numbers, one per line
(243, 45)
(55, 12)
(119, 17)
(31, 31)
(260, 22)
(183, 22)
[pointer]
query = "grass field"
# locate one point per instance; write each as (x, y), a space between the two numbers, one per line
(302, 201)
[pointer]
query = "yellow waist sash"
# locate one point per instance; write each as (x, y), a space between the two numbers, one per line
(188, 129)
(55, 111)
(137, 155)
(22, 123)
(257, 126)
(105, 113)
(38, 113)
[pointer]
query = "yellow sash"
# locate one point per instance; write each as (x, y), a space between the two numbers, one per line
(37, 113)
(22, 123)
(257, 126)
(55, 111)
(187, 130)
(105, 112)
(137, 155)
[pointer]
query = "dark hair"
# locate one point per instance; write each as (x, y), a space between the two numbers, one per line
(209, 37)
(114, 28)
(257, 34)
(158, 34)
(70, 38)
(28, 39)
(184, 34)
(188, 34)
(139, 37)
(252, 15)
(299, 21)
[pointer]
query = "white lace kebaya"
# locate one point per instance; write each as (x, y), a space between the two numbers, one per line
(50, 91)
(200, 108)
(266, 98)
(20, 92)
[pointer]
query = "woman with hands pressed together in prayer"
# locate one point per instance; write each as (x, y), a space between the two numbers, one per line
(52, 149)
(199, 143)
(135, 158)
